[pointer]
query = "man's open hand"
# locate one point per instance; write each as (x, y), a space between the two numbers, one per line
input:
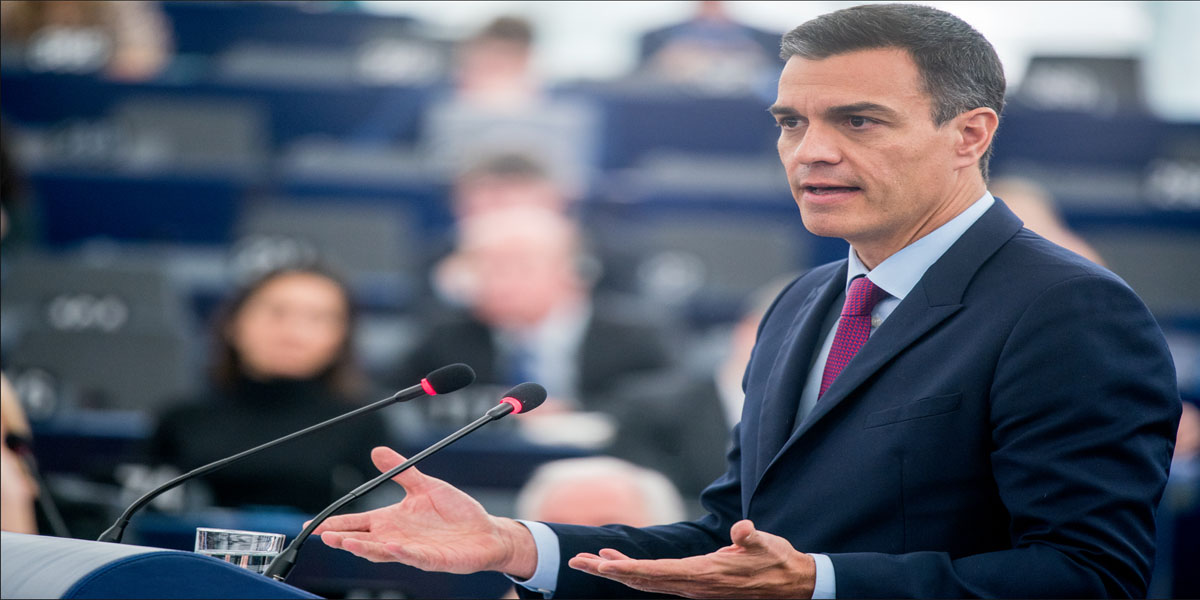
(436, 527)
(756, 565)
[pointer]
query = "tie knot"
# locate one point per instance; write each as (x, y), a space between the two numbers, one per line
(862, 297)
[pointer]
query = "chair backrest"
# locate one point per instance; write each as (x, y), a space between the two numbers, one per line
(94, 336)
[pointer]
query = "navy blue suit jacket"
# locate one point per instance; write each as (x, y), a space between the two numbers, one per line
(1006, 432)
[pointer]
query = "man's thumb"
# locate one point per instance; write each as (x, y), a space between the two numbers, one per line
(744, 535)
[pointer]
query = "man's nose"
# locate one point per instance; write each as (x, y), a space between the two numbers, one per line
(819, 145)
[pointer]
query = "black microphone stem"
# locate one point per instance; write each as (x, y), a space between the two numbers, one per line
(282, 565)
(114, 533)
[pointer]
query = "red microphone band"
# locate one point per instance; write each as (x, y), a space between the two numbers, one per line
(516, 404)
(428, 388)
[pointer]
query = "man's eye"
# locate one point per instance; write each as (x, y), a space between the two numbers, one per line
(789, 122)
(858, 122)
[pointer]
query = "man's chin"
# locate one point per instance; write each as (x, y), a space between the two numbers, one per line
(824, 224)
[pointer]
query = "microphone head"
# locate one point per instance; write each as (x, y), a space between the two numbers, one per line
(449, 378)
(525, 397)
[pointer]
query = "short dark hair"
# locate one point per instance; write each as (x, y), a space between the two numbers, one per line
(958, 66)
(514, 30)
(506, 165)
(342, 378)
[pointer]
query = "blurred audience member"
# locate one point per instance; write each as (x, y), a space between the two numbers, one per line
(596, 491)
(526, 313)
(495, 66)
(668, 421)
(18, 490)
(599, 490)
(1034, 205)
(283, 362)
(712, 51)
(506, 180)
(1187, 443)
(129, 41)
(499, 103)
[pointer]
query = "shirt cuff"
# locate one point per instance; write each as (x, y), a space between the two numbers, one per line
(545, 576)
(825, 585)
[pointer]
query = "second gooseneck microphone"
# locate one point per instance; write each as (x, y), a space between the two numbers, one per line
(441, 381)
(522, 398)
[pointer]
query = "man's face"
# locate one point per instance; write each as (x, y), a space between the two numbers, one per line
(478, 195)
(522, 276)
(864, 159)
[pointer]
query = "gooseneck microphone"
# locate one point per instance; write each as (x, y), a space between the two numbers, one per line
(522, 398)
(441, 381)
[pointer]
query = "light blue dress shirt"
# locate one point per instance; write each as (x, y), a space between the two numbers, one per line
(897, 275)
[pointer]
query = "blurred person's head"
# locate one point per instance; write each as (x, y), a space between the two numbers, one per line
(494, 65)
(1034, 205)
(599, 491)
(517, 266)
(506, 180)
(294, 323)
(712, 10)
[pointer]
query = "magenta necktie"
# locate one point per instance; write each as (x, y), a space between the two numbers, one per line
(854, 327)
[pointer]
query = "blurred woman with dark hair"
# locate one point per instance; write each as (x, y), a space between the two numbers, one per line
(283, 361)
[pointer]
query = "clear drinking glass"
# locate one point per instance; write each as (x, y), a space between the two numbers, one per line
(252, 550)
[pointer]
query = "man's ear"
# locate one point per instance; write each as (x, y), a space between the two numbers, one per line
(975, 128)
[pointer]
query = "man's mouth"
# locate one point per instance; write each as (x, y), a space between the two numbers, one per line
(821, 190)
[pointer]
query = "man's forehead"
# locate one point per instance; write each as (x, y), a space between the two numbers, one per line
(881, 76)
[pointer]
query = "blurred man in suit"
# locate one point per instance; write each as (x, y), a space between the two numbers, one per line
(527, 313)
(960, 408)
(668, 421)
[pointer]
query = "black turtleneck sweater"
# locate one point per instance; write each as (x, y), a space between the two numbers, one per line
(307, 473)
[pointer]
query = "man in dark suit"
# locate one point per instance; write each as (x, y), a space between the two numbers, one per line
(958, 409)
(527, 313)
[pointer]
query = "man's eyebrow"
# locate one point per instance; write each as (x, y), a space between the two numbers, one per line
(860, 107)
(778, 109)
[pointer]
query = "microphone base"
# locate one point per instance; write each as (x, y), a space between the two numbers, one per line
(281, 567)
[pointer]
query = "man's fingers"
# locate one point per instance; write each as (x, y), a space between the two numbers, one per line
(331, 539)
(352, 522)
(610, 554)
(372, 551)
(385, 459)
(409, 556)
(351, 535)
(592, 565)
(614, 563)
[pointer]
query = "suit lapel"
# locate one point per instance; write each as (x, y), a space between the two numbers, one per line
(936, 297)
(788, 373)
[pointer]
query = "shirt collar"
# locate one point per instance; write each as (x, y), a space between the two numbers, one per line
(900, 272)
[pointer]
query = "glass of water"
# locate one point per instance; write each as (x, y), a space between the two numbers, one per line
(252, 550)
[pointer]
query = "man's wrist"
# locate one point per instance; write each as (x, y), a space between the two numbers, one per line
(806, 575)
(521, 562)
